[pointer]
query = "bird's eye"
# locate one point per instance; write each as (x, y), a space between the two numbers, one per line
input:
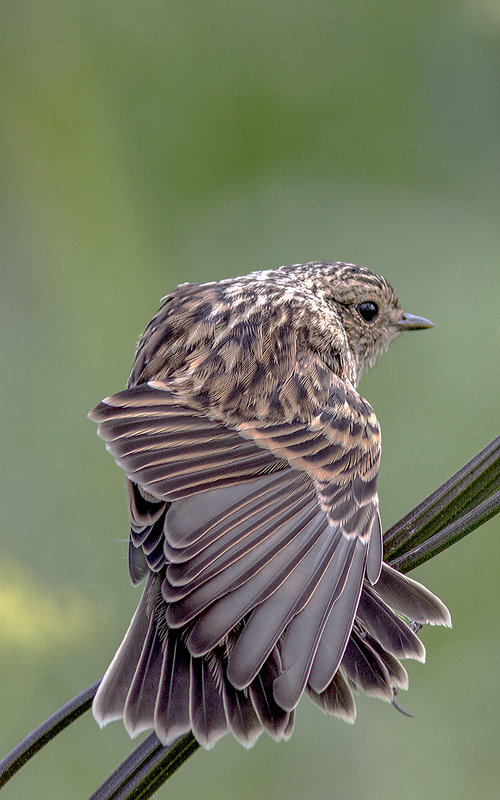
(368, 310)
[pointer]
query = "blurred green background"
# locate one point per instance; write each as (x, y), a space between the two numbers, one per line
(145, 144)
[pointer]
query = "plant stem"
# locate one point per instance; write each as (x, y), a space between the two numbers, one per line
(56, 723)
(144, 770)
(449, 535)
(465, 490)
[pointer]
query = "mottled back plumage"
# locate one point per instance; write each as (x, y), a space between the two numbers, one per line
(251, 465)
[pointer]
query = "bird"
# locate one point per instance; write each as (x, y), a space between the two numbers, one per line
(251, 466)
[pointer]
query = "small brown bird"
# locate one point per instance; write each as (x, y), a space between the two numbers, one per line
(251, 465)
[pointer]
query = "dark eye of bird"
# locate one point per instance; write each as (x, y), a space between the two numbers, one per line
(368, 310)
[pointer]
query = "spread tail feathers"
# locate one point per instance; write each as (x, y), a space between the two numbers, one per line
(155, 682)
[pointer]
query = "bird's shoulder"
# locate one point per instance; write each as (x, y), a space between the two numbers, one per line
(235, 349)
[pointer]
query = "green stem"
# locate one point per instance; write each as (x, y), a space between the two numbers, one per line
(461, 493)
(144, 770)
(45, 732)
(449, 535)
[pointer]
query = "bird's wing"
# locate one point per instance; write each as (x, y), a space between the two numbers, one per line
(271, 527)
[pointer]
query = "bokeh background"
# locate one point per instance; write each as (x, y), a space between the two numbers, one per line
(145, 144)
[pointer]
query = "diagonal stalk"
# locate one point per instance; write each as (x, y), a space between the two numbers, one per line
(465, 490)
(48, 730)
(452, 533)
(144, 770)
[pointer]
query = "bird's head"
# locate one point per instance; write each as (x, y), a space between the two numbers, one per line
(364, 303)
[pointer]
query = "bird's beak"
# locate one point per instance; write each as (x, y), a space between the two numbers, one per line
(409, 322)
